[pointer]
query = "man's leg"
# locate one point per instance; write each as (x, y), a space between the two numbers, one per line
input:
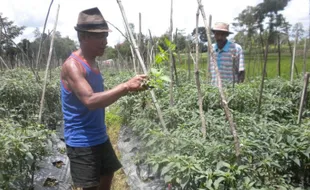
(85, 164)
(110, 164)
(106, 182)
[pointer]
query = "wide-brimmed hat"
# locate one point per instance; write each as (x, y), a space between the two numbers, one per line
(91, 20)
(221, 26)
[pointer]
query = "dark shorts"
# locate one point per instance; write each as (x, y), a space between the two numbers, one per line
(87, 164)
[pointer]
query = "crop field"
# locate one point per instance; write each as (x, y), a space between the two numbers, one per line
(254, 65)
(274, 149)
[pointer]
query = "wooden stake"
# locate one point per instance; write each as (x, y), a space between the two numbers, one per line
(171, 58)
(304, 68)
(209, 55)
(41, 40)
(303, 97)
(159, 112)
(294, 54)
(47, 67)
(223, 97)
(6, 66)
(196, 64)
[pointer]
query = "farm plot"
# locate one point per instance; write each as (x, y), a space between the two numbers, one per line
(274, 150)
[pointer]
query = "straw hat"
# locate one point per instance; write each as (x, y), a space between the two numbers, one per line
(221, 26)
(91, 20)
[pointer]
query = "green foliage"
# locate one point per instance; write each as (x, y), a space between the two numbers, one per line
(274, 150)
(23, 142)
(20, 97)
(21, 147)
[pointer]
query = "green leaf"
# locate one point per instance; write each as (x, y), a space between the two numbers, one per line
(217, 182)
(242, 167)
(167, 178)
(166, 168)
(221, 164)
(184, 181)
(165, 78)
(155, 168)
(29, 155)
(297, 161)
(209, 184)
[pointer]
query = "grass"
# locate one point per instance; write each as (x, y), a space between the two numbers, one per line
(254, 65)
(114, 122)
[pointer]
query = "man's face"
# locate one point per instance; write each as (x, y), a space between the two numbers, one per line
(220, 38)
(96, 42)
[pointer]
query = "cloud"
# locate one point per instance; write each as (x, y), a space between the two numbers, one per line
(155, 14)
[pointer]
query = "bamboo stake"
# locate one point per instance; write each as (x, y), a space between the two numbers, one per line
(132, 52)
(189, 62)
(202, 116)
(47, 66)
(4, 63)
(209, 55)
(279, 56)
(160, 115)
(303, 97)
(171, 59)
(152, 55)
(174, 59)
(131, 48)
(153, 46)
(39, 51)
(263, 77)
(294, 54)
(304, 68)
(223, 97)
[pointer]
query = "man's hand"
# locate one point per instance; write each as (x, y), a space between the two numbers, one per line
(136, 83)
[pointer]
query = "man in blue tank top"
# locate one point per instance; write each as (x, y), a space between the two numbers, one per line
(92, 158)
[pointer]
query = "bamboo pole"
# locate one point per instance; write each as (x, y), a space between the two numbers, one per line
(47, 66)
(294, 54)
(41, 40)
(196, 62)
(140, 43)
(152, 50)
(209, 55)
(153, 46)
(159, 112)
(223, 97)
(303, 97)
(263, 77)
(171, 58)
(132, 52)
(304, 68)
(279, 56)
(4, 63)
(189, 62)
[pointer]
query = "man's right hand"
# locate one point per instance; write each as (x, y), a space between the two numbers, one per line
(136, 83)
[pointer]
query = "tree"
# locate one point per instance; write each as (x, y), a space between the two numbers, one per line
(180, 40)
(201, 34)
(9, 32)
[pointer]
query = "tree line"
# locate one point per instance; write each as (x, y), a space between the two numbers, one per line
(261, 29)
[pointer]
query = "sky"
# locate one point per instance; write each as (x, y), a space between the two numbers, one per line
(155, 14)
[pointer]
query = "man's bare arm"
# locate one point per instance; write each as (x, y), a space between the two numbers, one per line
(77, 82)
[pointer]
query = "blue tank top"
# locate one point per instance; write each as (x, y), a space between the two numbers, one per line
(83, 127)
